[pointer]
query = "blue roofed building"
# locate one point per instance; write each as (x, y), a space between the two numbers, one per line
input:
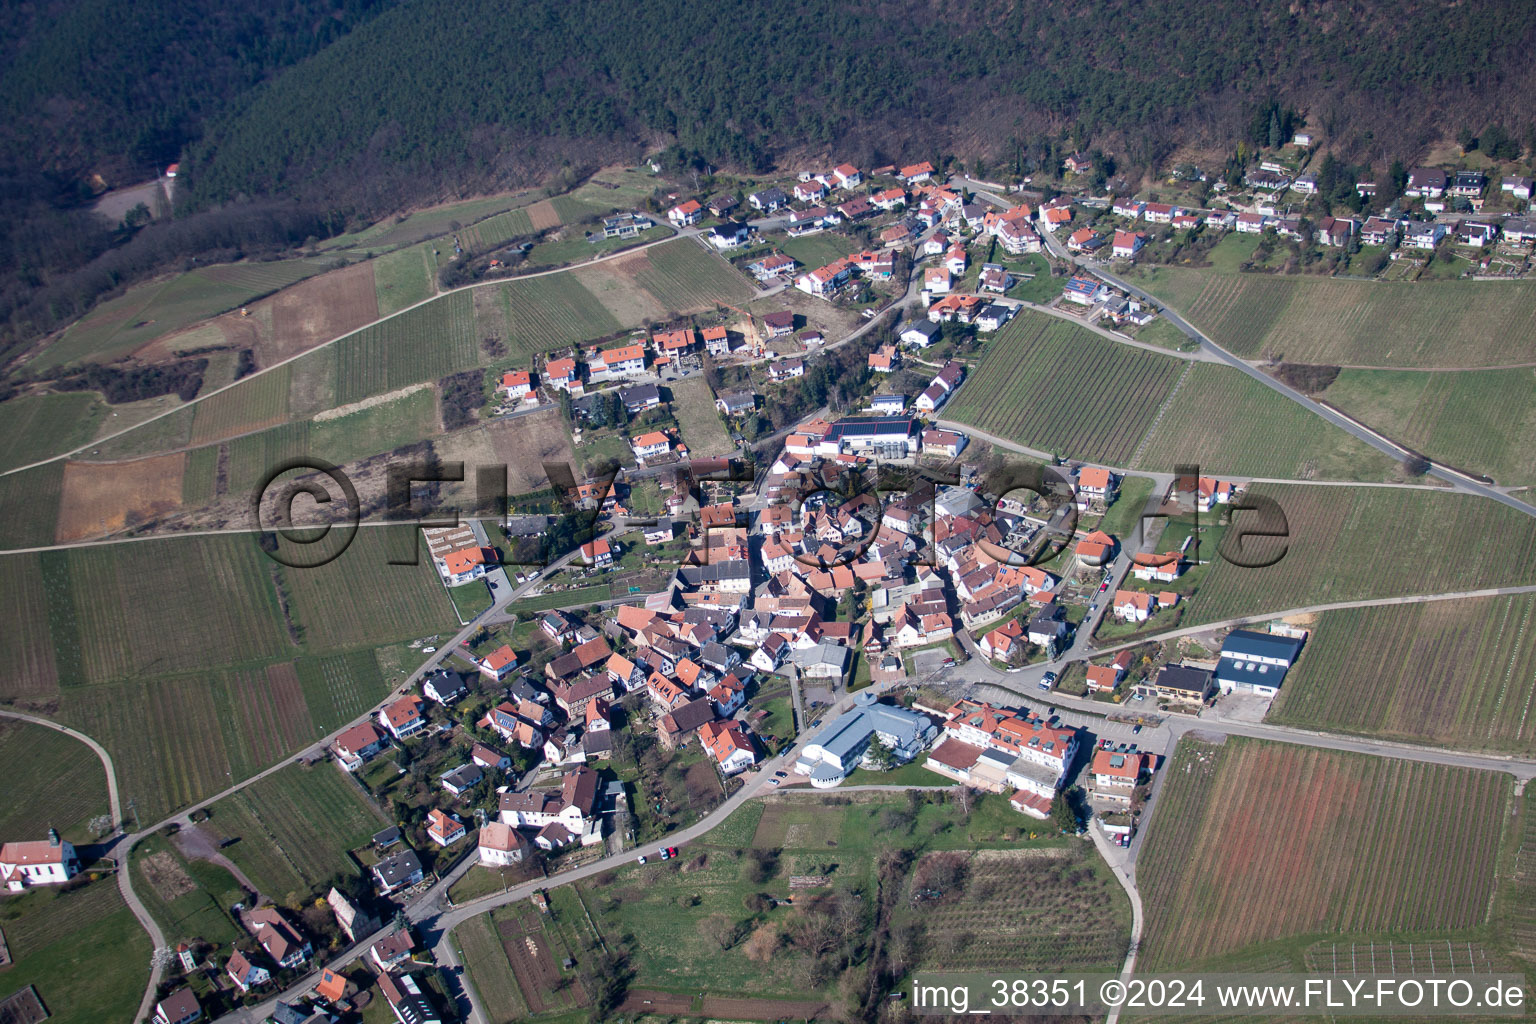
(841, 745)
(1255, 663)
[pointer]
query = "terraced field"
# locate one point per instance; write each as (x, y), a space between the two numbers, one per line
(1477, 421)
(1052, 385)
(27, 670)
(1226, 422)
(1457, 673)
(1256, 842)
(29, 505)
(494, 230)
(1346, 545)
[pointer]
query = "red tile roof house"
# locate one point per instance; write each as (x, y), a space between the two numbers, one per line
(1103, 677)
(359, 743)
(444, 829)
(393, 949)
(50, 861)
(282, 943)
(180, 1007)
(684, 214)
(245, 974)
(403, 718)
(499, 664)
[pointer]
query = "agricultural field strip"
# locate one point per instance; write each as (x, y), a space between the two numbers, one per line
(326, 344)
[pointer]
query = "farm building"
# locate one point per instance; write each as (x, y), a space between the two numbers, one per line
(1254, 662)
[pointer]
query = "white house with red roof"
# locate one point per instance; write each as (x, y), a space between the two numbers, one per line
(847, 176)
(1128, 243)
(499, 664)
(623, 361)
(916, 172)
(727, 742)
(444, 829)
(1164, 568)
(245, 974)
(563, 375)
(684, 214)
(598, 552)
(501, 845)
(357, 744)
(1115, 774)
(50, 861)
(403, 718)
(518, 384)
(651, 445)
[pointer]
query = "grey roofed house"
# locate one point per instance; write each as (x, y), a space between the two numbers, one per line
(1184, 678)
(397, 872)
(597, 743)
(769, 198)
(637, 399)
(956, 501)
(1255, 661)
(462, 777)
(837, 748)
(716, 572)
(719, 657)
(283, 1013)
(687, 717)
(737, 401)
(385, 838)
(825, 656)
(521, 689)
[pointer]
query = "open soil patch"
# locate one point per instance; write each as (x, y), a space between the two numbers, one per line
(102, 498)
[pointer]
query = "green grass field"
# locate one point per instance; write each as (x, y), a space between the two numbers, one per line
(684, 276)
(1041, 288)
(817, 250)
(147, 311)
(489, 969)
(1476, 421)
(52, 780)
(1052, 385)
(430, 223)
(190, 899)
(423, 344)
(147, 438)
(694, 406)
(1124, 515)
(34, 427)
(496, 229)
(403, 278)
(1257, 842)
(1226, 422)
(83, 950)
(1346, 545)
(295, 828)
(1457, 673)
(1309, 319)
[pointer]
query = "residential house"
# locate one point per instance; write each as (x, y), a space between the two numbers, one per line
(178, 1007)
(722, 204)
(574, 806)
(1078, 163)
(994, 278)
(1426, 182)
(403, 718)
(767, 268)
(462, 779)
(1005, 641)
(625, 225)
(674, 727)
(1095, 483)
(598, 552)
(1379, 231)
(786, 369)
(810, 191)
(355, 746)
(768, 200)
(499, 664)
(846, 176)
(1336, 231)
(393, 949)
(1048, 627)
(245, 974)
(1134, 605)
(685, 214)
(1179, 684)
(1517, 186)
(282, 943)
(518, 384)
(736, 403)
(920, 334)
(623, 361)
(728, 744)
(650, 446)
(779, 324)
(1084, 240)
(1519, 230)
(1096, 548)
(1423, 234)
(563, 375)
(1017, 237)
(1469, 184)
(640, 398)
(444, 829)
(489, 758)
(1084, 291)
(1251, 223)
(353, 922)
(730, 234)
(1130, 208)
(445, 686)
(1103, 678)
(840, 746)
(914, 173)
(1115, 774)
(943, 442)
(1164, 568)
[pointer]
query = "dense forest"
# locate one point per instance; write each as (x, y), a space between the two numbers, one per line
(348, 110)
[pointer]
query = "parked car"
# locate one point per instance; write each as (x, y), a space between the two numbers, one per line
(664, 854)
(1135, 729)
(641, 858)
(773, 782)
(672, 850)
(1104, 586)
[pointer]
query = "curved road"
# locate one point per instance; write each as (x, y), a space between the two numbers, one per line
(119, 851)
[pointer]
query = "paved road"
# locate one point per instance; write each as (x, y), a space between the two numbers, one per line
(1457, 480)
(118, 848)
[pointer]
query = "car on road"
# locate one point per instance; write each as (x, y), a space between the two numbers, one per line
(1103, 587)
(640, 859)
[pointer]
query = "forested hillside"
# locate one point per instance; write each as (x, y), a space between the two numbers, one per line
(431, 91)
(360, 108)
